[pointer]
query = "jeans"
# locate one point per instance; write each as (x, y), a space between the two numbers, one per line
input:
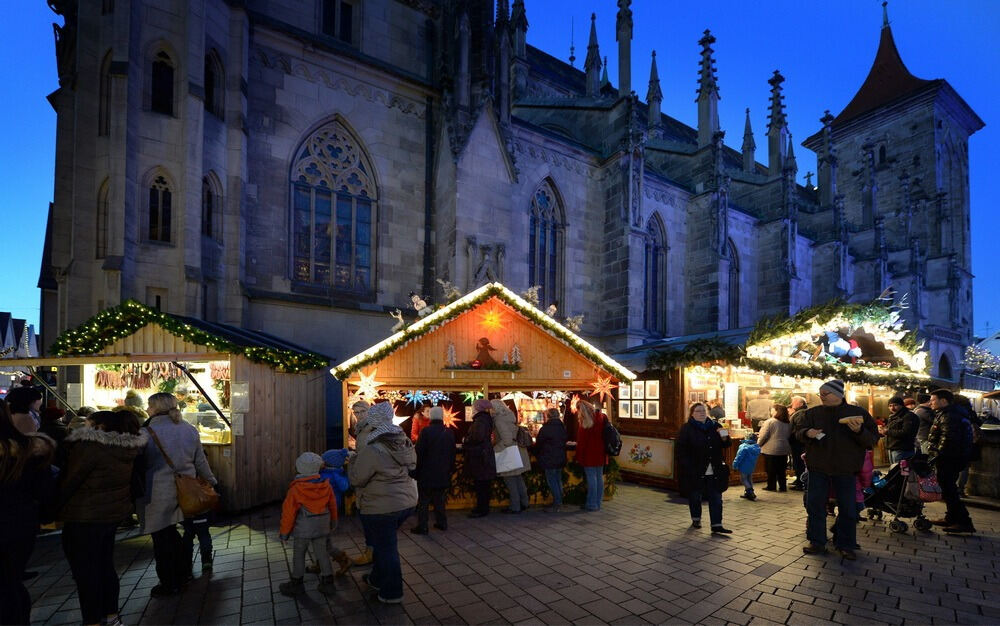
(747, 480)
(518, 492)
(817, 492)
(427, 497)
(947, 475)
(798, 465)
(482, 496)
(776, 465)
(386, 574)
(595, 487)
(200, 527)
(172, 567)
(554, 478)
(90, 551)
(895, 456)
(319, 550)
(706, 488)
(15, 602)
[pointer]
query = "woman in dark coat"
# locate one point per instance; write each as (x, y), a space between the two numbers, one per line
(480, 462)
(26, 485)
(550, 452)
(699, 458)
(94, 497)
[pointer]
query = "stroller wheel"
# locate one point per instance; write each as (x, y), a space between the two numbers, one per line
(898, 526)
(922, 524)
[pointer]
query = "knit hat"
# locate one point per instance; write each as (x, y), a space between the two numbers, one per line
(360, 407)
(834, 386)
(752, 438)
(437, 414)
(335, 458)
(379, 413)
(482, 404)
(308, 463)
(896, 400)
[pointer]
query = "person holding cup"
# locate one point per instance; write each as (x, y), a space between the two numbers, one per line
(699, 457)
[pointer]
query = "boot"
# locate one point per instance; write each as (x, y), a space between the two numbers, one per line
(326, 585)
(364, 558)
(345, 564)
(292, 588)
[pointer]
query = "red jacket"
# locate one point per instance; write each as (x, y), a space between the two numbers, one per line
(312, 492)
(590, 443)
(417, 424)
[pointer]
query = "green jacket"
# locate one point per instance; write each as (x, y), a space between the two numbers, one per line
(842, 451)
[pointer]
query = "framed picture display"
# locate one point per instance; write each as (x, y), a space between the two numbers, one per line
(624, 408)
(624, 391)
(652, 390)
(637, 409)
(652, 409)
(638, 389)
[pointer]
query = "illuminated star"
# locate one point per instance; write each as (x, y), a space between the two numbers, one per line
(602, 388)
(399, 419)
(471, 396)
(573, 402)
(516, 397)
(491, 319)
(416, 398)
(450, 417)
(368, 386)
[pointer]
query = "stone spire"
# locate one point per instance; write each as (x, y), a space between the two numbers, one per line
(790, 164)
(592, 65)
(604, 76)
(623, 29)
(504, 54)
(885, 15)
(464, 79)
(654, 96)
(503, 12)
(777, 127)
(708, 93)
(749, 145)
(826, 164)
(519, 26)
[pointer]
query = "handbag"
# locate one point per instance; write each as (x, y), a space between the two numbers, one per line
(509, 459)
(930, 490)
(195, 495)
(722, 477)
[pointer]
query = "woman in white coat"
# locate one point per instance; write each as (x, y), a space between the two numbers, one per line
(505, 424)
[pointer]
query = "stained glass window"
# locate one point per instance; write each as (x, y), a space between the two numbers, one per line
(546, 230)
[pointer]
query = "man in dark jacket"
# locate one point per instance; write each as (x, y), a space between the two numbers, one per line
(798, 409)
(480, 462)
(950, 443)
(435, 463)
(925, 414)
(836, 436)
(900, 431)
(550, 452)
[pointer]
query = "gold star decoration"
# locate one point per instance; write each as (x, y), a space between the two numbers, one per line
(367, 385)
(602, 388)
(491, 319)
(450, 417)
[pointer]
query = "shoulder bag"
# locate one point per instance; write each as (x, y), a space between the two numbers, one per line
(195, 495)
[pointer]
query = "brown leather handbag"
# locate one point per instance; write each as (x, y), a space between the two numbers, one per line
(195, 495)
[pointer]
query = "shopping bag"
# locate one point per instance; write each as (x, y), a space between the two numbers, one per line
(930, 490)
(509, 459)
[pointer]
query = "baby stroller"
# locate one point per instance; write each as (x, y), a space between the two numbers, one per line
(899, 495)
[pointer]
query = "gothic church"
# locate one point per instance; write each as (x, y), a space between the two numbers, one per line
(300, 166)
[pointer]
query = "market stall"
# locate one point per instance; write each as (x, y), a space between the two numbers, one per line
(490, 343)
(256, 400)
(744, 371)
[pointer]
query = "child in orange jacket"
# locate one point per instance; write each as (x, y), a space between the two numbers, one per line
(307, 515)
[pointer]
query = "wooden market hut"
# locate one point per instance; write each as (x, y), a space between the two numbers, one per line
(278, 403)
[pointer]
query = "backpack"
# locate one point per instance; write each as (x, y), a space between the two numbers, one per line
(523, 437)
(612, 440)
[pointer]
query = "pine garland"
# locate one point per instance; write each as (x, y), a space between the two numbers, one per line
(130, 316)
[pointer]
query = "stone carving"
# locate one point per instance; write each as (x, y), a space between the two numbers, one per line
(485, 262)
(65, 39)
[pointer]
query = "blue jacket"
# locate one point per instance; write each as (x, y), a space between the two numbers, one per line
(746, 457)
(337, 478)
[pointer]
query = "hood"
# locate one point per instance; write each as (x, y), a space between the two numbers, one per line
(400, 448)
(117, 440)
(313, 492)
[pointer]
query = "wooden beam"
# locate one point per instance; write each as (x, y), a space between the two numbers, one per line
(57, 361)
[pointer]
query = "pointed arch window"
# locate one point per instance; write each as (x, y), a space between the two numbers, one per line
(654, 277)
(101, 222)
(159, 208)
(104, 98)
(211, 207)
(733, 286)
(214, 85)
(161, 94)
(334, 212)
(546, 234)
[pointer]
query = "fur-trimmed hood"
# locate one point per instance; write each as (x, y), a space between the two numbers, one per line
(118, 440)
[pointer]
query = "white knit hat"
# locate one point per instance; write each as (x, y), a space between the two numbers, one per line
(308, 463)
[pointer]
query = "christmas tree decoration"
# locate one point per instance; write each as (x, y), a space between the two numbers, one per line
(506, 358)
(602, 388)
(575, 323)
(515, 354)
(451, 292)
(452, 358)
(367, 385)
(531, 295)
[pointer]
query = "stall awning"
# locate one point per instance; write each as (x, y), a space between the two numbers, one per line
(637, 357)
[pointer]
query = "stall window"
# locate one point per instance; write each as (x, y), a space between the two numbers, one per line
(546, 232)
(334, 212)
(654, 274)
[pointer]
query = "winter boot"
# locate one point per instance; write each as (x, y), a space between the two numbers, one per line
(293, 587)
(326, 585)
(365, 558)
(345, 564)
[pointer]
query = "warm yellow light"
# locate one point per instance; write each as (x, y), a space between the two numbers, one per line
(602, 388)
(367, 385)
(491, 319)
(450, 417)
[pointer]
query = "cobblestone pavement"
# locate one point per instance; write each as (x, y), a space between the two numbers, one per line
(636, 561)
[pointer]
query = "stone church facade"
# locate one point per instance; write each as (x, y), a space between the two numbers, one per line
(300, 167)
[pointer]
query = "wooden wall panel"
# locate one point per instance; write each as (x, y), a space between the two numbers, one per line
(153, 340)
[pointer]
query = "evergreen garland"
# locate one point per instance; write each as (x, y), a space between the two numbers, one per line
(130, 316)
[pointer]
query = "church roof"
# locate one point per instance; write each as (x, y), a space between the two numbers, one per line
(888, 80)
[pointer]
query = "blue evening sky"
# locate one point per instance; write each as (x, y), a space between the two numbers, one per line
(824, 50)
